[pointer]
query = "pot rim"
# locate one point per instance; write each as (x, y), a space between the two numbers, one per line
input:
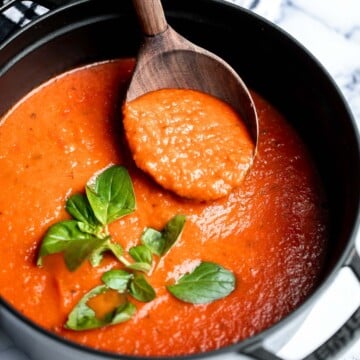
(308, 303)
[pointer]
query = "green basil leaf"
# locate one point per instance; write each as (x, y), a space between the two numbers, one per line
(97, 255)
(98, 204)
(160, 242)
(153, 240)
(82, 317)
(139, 266)
(172, 231)
(59, 236)
(123, 313)
(117, 279)
(141, 253)
(80, 250)
(206, 283)
(111, 195)
(140, 289)
(116, 249)
(143, 257)
(96, 230)
(79, 207)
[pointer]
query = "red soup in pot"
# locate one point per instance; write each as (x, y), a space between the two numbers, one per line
(269, 232)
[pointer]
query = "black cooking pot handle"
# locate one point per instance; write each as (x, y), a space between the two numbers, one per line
(338, 343)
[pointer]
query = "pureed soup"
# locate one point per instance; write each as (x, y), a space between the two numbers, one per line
(189, 142)
(264, 242)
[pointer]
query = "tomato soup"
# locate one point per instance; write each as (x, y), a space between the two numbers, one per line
(189, 142)
(270, 231)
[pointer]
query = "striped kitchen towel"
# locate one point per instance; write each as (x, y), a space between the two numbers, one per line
(16, 13)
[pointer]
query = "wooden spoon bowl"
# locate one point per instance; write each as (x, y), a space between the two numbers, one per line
(203, 156)
(168, 60)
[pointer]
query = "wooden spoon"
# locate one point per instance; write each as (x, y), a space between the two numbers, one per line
(168, 60)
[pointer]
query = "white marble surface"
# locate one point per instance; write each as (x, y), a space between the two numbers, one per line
(330, 29)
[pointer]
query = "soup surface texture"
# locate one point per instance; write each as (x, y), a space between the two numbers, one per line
(189, 142)
(270, 231)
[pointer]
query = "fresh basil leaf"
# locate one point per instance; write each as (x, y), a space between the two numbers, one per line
(79, 207)
(97, 256)
(143, 257)
(140, 289)
(59, 236)
(160, 242)
(116, 249)
(111, 195)
(206, 283)
(153, 240)
(80, 250)
(172, 231)
(96, 230)
(95, 259)
(98, 204)
(139, 266)
(124, 313)
(82, 317)
(141, 253)
(117, 279)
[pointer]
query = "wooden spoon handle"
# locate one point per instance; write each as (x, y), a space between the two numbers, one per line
(151, 16)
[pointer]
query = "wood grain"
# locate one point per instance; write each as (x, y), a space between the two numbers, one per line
(168, 60)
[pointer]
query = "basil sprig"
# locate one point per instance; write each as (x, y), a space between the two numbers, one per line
(127, 282)
(109, 196)
(206, 283)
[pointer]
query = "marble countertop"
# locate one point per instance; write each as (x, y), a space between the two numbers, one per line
(330, 30)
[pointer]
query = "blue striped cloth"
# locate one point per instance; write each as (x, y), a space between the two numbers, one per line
(16, 13)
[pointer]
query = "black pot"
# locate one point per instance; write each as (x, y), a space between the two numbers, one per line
(270, 62)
